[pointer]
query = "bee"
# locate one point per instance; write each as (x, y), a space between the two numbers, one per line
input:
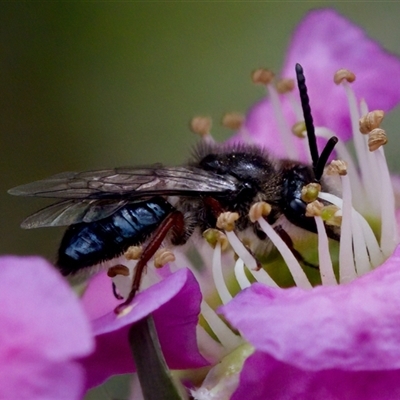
(109, 210)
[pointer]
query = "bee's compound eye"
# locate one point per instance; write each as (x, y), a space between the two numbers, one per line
(298, 207)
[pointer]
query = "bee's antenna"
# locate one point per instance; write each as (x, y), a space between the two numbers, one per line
(323, 158)
(319, 162)
(308, 119)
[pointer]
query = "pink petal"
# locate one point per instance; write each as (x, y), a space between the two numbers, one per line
(43, 328)
(263, 377)
(175, 306)
(350, 327)
(323, 43)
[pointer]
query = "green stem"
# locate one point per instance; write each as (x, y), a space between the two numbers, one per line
(155, 378)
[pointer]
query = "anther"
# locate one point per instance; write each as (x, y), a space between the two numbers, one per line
(162, 257)
(343, 75)
(331, 215)
(310, 192)
(299, 129)
(314, 209)
(337, 167)
(377, 138)
(214, 236)
(201, 125)
(133, 252)
(371, 121)
(285, 85)
(226, 221)
(118, 270)
(258, 210)
(233, 120)
(262, 76)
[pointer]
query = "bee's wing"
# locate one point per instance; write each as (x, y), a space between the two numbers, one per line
(70, 212)
(124, 183)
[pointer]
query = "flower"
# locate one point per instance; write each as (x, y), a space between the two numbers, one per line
(333, 341)
(306, 341)
(176, 325)
(43, 332)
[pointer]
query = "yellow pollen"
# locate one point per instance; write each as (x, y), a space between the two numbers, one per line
(371, 121)
(201, 125)
(118, 270)
(377, 138)
(226, 221)
(314, 209)
(214, 236)
(337, 167)
(285, 85)
(299, 129)
(133, 252)
(262, 76)
(258, 210)
(343, 74)
(330, 214)
(162, 257)
(310, 192)
(233, 120)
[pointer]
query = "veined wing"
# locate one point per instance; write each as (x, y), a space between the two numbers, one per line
(70, 212)
(128, 183)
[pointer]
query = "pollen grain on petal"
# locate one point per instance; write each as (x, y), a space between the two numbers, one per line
(344, 75)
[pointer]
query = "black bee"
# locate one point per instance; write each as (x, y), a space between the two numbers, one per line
(109, 210)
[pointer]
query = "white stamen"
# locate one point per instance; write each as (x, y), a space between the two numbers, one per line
(209, 348)
(347, 271)
(224, 335)
(299, 277)
(372, 245)
(284, 129)
(389, 230)
(249, 260)
(324, 256)
(361, 148)
(357, 190)
(218, 276)
(241, 275)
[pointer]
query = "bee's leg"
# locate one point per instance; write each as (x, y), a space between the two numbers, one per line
(174, 221)
(289, 243)
(115, 293)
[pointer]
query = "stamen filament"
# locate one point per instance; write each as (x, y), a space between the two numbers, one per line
(299, 277)
(209, 348)
(284, 129)
(225, 336)
(218, 276)
(241, 275)
(325, 262)
(240, 249)
(360, 147)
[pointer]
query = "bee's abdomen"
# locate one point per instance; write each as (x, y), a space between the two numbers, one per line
(87, 244)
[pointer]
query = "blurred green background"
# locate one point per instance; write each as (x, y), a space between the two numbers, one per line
(86, 85)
